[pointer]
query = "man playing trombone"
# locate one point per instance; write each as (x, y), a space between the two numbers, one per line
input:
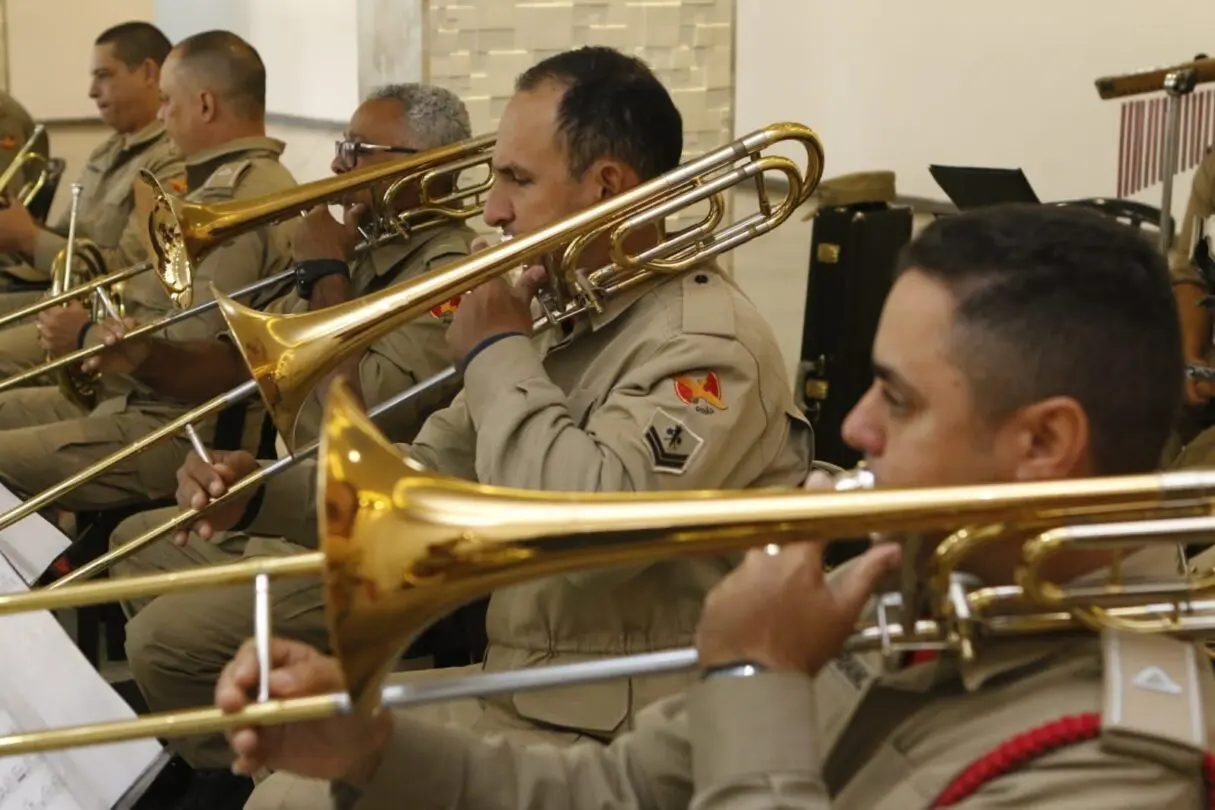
(393, 122)
(125, 85)
(16, 129)
(676, 384)
(213, 85)
(1001, 356)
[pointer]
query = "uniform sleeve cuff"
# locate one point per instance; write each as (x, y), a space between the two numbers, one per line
(423, 763)
(46, 248)
(497, 367)
(754, 726)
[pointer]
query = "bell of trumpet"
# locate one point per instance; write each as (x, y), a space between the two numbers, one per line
(28, 155)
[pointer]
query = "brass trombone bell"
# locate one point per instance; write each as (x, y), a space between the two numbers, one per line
(401, 547)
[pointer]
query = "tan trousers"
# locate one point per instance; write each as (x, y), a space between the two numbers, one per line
(11, 301)
(177, 644)
(44, 439)
(282, 790)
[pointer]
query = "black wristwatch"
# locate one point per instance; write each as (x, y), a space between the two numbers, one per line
(310, 271)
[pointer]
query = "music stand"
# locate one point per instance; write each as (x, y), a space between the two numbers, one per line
(970, 187)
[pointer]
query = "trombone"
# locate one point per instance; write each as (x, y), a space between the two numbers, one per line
(28, 153)
(178, 245)
(288, 355)
(400, 547)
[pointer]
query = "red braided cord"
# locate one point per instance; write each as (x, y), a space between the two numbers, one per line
(1032, 744)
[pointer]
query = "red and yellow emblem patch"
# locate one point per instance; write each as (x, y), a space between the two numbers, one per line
(707, 389)
(446, 307)
(8, 142)
(178, 184)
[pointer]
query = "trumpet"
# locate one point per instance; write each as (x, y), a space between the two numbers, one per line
(28, 153)
(400, 547)
(289, 354)
(178, 245)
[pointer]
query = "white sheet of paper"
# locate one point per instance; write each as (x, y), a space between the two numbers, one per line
(46, 682)
(32, 543)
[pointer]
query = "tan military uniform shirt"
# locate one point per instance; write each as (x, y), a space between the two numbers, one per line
(1200, 206)
(240, 169)
(678, 385)
(16, 127)
(854, 739)
(407, 355)
(107, 196)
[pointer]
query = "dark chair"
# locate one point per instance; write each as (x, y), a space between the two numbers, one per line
(40, 206)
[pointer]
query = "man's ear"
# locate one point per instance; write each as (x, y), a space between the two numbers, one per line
(209, 107)
(1050, 439)
(613, 177)
(149, 71)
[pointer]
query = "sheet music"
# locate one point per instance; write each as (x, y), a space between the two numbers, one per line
(46, 682)
(32, 543)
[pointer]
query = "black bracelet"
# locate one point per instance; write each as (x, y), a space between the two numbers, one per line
(254, 506)
(485, 344)
(84, 331)
(310, 271)
(738, 669)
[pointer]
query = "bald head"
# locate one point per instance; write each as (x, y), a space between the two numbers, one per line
(226, 65)
(213, 90)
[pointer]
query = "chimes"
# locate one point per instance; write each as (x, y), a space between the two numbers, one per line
(1141, 138)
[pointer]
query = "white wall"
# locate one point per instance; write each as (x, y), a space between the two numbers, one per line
(898, 85)
(50, 45)
(310, 47)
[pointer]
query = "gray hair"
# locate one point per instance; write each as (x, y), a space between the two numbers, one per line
(435, 116)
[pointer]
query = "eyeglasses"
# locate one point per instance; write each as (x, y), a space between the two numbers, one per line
(347, 152)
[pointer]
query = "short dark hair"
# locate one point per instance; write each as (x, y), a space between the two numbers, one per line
(613, 106)
(233, 65)
(136, 42)
(1057, 301)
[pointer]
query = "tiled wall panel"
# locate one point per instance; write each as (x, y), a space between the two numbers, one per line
(478, 47)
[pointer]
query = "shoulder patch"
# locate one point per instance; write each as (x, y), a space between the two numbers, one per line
(1153, 697)
(671, 443)
(7, 141)
(702, 392)
(176, 184)
(225, 179)
(708, 304)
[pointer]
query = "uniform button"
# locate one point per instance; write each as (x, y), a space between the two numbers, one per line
(702, 279)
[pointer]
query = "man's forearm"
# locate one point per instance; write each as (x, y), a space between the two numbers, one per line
(1195, 321)
(193, 371)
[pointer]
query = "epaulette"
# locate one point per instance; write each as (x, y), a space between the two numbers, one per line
(1153, 698)
(708, 306)
(224, 180)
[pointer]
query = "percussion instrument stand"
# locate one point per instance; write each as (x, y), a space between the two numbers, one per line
(1177, 84)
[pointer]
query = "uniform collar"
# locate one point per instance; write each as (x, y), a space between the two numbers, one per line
(201, 165)
(143, 137)
(1001, 656)
(618, 305)
(383, 258)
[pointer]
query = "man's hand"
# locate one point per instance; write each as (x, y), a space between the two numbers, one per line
(319, 236)
(778, 610)
(494, 308)
(59, 327)
(199, 482)
(18, 231)
(123, 356)
(346, 748)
